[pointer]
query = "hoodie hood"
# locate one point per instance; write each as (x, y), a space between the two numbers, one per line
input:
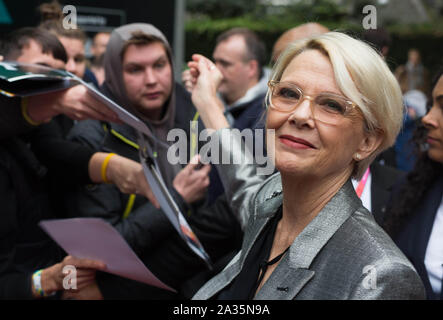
(114, 84)
(114, 88)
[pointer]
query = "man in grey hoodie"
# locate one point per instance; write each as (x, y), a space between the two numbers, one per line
(139, 77)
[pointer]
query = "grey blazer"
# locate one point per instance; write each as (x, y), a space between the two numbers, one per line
(341, 254)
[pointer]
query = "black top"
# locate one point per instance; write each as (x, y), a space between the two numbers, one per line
(246, 283)
(24, 246)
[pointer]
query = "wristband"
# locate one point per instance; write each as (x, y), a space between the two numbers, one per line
(24, 107)
(37, 282)
(105, 166)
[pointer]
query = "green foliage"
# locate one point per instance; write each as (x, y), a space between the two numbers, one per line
(221, 9)
(428, 38)
(322, 10)
(208, 18)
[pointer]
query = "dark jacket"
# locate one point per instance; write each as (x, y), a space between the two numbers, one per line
(47, 140)
(414, 236)
(106, 201)
(24, 247)
(12, 122)
(383, 180)
(146, 229)
(35, 167)
(67, 161)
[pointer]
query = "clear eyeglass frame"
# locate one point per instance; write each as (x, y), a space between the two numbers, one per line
(319, 112)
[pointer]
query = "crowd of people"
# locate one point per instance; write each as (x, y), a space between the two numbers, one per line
(348, 200)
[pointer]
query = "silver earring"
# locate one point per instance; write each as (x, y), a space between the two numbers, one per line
(357, 156)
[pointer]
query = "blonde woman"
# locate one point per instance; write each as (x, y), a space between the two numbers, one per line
(334, 105)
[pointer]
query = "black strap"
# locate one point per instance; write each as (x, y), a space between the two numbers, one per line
(264, 267)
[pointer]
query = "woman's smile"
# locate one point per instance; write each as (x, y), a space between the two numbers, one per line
(296, 143)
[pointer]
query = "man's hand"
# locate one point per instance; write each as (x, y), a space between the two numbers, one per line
(125, 173)
(52, 277)
(205, 81)
(191, 183)
(75, 102)
(129, 177)
(188, 80)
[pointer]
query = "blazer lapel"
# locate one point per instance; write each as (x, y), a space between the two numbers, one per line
(285, 282)
(265, 209)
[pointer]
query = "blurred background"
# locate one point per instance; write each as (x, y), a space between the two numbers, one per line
(410, 23)
(193, 25)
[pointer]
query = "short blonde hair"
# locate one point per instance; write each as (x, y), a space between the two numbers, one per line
(363, 77)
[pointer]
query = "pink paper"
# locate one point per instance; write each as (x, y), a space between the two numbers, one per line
(95, 239)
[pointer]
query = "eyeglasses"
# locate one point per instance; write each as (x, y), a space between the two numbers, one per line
(325, 107)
